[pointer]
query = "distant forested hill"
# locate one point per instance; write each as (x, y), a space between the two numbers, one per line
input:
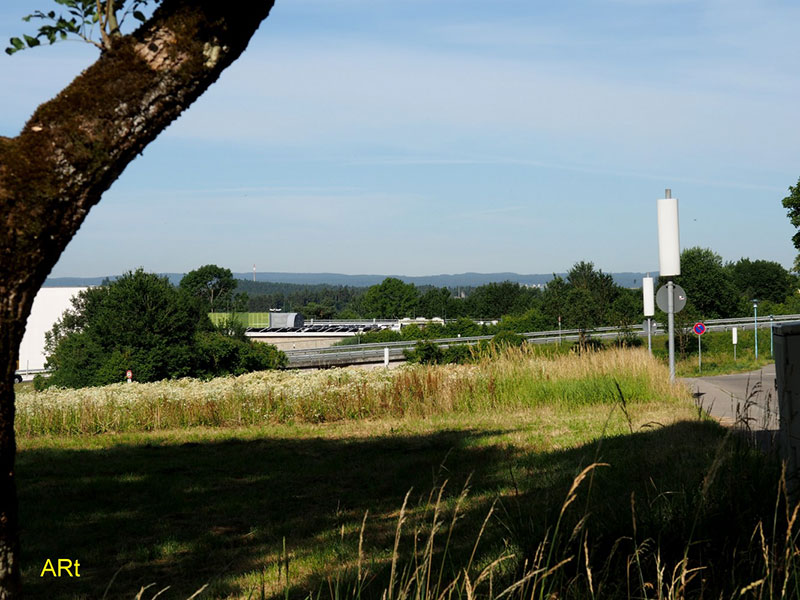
(629, 280)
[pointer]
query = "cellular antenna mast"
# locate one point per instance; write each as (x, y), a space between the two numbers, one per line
(669, 255)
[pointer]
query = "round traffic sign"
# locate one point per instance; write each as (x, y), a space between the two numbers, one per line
(699, 328)
(678, 298)
(129, 374)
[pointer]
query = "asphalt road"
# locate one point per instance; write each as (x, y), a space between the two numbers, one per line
(731, 398)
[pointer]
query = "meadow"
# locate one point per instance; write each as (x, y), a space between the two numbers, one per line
(718, 355)
(528, 474)
(517, 379)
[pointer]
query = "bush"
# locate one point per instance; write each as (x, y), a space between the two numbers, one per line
(218, 354)
(429, 353)
(458, 354)
(507, 339)
(628, 339)
(466, 328)
(371, 337)
(426, 353)
(592, 344)
(532, 320)
(40, 383)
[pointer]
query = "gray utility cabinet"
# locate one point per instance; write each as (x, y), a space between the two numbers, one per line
(787, 371)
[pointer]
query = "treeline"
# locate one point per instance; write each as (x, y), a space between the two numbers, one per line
(393, 299)
(321, 301)
(583, 299)
(717, 290)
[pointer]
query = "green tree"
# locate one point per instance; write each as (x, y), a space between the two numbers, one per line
(591, 294)
(139, 322)
(214, 286)
(709, 286)
(232, 327)
(75, 146)
(583, 312)
(347, 313)
(464, 327)
(224, 355)
(532, 320)
(493, 300)
(390, 299)
(554, 300)
(627, 309)
(142, 323)
(600, 285)
(762, 279)
(315, 310)
(439, 302)
(84, 306)
(792, 205)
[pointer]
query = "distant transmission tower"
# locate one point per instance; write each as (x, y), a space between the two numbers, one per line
(254, 272)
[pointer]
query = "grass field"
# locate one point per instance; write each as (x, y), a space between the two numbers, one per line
(718, 353)
(521, 378)
(315, 478)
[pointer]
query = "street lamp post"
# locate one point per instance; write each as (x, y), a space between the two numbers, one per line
(755, 323)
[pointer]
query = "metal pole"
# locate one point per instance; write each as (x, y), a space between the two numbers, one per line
(650, 334)
(559, 330)
(755, 327)
(671, 323)
(771, 334)
(700, 353)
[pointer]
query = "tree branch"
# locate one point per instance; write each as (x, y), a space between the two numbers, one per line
(111, 19)
(101, 21)
(77, 144)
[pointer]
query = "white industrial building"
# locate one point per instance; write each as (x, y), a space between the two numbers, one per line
(48, 306)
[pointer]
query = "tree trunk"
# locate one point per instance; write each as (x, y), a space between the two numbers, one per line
(71, 151)
(10, 336)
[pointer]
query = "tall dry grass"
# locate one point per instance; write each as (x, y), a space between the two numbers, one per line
(513, 379)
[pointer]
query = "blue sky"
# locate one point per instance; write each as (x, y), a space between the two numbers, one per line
(441, 136)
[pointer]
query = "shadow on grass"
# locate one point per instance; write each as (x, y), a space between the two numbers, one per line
(188, 514)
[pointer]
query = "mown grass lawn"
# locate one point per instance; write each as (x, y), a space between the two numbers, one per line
(217, 506)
